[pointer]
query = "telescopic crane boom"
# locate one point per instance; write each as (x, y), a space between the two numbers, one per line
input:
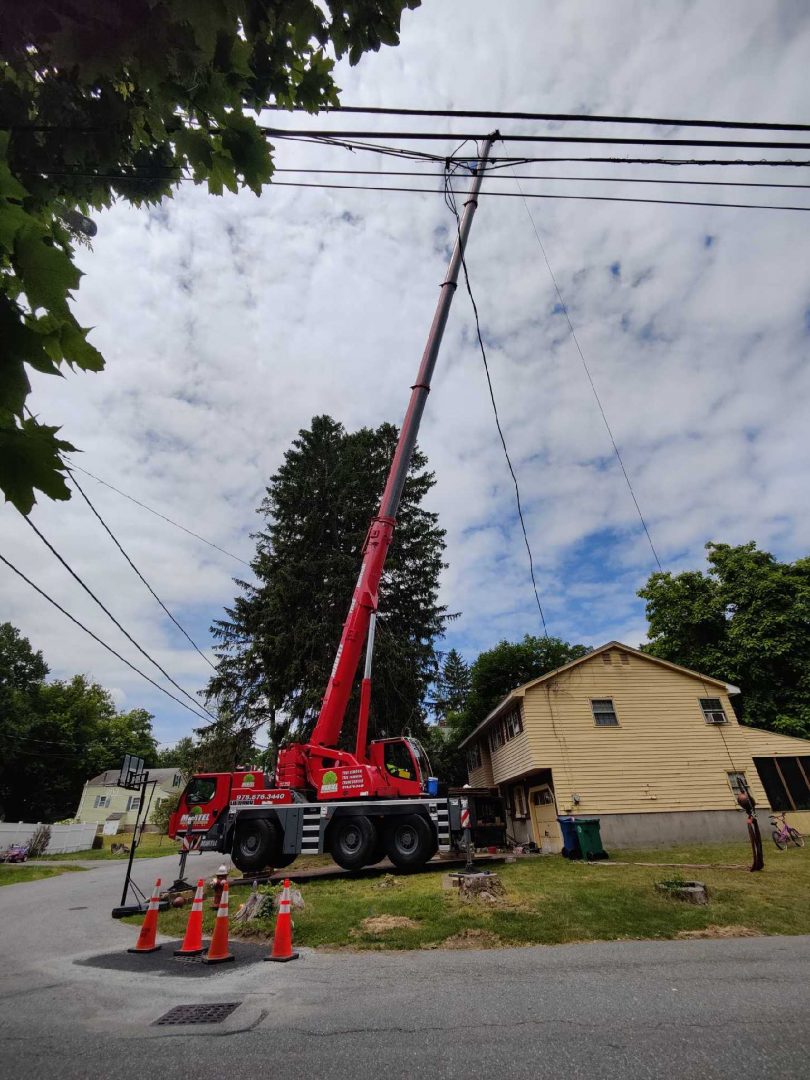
(364, 601)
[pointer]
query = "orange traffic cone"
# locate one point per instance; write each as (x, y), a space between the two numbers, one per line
(146, 938)
(218, 949)
(192, 942)
(282, 942)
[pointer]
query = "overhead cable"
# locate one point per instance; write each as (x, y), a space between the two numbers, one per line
(454, 136)
(110, 615)
(584, 118)
(157, 513)
(450, 201)
(605, 421)
(103, 644)
(117, 543)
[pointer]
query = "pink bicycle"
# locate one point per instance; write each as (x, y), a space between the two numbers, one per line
(785, 834)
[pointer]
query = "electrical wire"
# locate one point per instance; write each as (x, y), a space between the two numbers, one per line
(585, 118)
(449, 198)
(575, 339)
(103, 644)
(574, 179)
(455, 136)
(157, 513)
(115, 540)
(110, 615)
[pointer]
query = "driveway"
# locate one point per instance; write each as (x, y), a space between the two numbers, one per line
(75, 1004)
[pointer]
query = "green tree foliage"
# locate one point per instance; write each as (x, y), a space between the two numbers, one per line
(452, 687)
(508, 665)
(180, 756)
(55, 735)
(103, 100)
(746, 620)
(163, 811)
(278, 640)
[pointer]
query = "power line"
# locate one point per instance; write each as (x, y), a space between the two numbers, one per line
(585, 118)
(544, 195)
(114, 539)
(449, 198)
(590, 380)
(110, 615)
(157, 513)
(453, 136)
(575, 179)
(103, 644)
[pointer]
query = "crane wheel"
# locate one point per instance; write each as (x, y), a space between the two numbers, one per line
(410, 841)
(352, 842)
(255, 844)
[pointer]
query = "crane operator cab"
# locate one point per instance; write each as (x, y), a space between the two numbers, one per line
(405, 764)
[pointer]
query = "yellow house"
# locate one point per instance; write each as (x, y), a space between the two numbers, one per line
(651, 748)
(102, 800)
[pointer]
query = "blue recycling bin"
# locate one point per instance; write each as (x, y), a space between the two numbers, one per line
(571, 848)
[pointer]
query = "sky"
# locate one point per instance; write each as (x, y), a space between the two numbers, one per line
(228, 323)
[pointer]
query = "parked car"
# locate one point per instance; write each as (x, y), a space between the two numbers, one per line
(16, 853)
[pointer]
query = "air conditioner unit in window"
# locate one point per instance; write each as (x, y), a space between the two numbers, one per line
(716, 719)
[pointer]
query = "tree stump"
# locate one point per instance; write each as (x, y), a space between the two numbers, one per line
(481, 888)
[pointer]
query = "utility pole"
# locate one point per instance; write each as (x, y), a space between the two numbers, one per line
(364, 602)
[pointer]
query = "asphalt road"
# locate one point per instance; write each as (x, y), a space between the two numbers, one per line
(74, 1004)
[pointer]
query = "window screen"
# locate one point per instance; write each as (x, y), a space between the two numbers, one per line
(772, 782)
(603, 712)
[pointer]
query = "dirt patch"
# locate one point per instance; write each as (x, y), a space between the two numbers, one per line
(713, 931)
(472, 939)
(388, 881)
(381, 924)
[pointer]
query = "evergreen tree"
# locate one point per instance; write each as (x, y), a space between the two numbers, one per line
(277, 642)
(452, 687)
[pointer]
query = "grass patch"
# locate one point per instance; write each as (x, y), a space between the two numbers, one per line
(548, 901)
(17, 873)
(152, 846)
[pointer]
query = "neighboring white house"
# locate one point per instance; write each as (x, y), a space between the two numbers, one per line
(102, 800)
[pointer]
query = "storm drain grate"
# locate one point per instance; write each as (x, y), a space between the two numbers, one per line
(212, 1013)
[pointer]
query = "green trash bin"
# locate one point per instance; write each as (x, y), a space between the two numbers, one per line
(590, 838)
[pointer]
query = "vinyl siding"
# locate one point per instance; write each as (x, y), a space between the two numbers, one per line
(769, 744)
(663, 756)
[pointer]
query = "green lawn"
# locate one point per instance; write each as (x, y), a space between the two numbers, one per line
(549, 901)
(151, 845)
(16, 873)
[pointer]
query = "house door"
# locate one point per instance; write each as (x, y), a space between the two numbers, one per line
(547, 834)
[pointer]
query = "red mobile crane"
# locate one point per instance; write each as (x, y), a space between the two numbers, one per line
(380, 799)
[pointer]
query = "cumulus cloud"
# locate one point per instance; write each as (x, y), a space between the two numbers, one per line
(228, 323)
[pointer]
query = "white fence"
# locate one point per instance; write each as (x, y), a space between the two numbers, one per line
(64, 838)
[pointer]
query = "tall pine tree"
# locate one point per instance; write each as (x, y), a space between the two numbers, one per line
(277, 643)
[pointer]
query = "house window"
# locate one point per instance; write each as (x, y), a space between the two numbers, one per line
(176, 780)
(625, 658)
(133, 803)
(606, 658)
(505, 729)
(519, 802)
(603, 712)
(786, 781)
(736, 782)
(713, 710)
(102, 802)
(474, 757)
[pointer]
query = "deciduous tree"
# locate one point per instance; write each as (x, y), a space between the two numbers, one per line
(104, 100)
(745, 620)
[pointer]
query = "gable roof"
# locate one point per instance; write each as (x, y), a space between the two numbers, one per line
(520, 691)
(164, 777)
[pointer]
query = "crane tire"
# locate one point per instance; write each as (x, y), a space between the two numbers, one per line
(352, 841)
(410, 841)
(255, 843)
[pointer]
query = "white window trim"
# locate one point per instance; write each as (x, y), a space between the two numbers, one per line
(706, 712)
